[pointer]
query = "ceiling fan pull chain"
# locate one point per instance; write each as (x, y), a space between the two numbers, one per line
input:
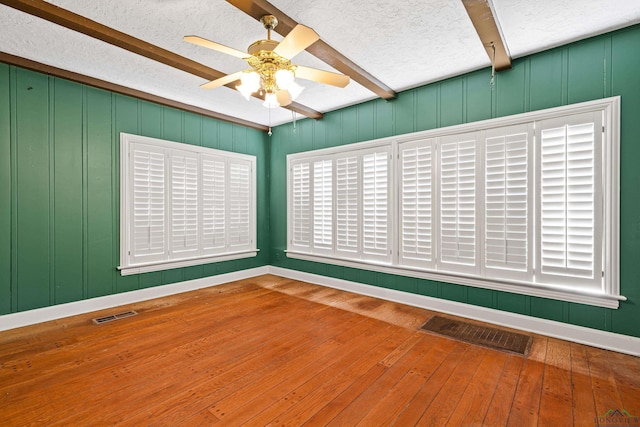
(493, 66)
(293, 116)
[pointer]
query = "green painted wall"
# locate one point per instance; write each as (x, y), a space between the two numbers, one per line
(60, 187)
(59, 174)
(600, 67)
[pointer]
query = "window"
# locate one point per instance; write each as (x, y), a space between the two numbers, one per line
(183, 205)
(339, 205)
(417, 194)
(525, 204)
(507, 201)
(570, 211)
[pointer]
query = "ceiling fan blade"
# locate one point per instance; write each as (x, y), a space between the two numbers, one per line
(216, 46)
(222, 80)
(321, 76)
(296, 41)
(284, 98)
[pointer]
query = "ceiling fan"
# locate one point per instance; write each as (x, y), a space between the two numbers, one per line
(272, 74)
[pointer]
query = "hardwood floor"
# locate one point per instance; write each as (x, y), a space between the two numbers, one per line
(272, 351)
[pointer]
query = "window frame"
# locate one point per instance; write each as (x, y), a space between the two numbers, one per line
(606, 295)
(130, 263)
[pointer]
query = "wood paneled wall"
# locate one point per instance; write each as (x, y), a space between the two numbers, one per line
(596, 68)
(60, 187)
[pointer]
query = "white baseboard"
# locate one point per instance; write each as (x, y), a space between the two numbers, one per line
(593, 337)
(45, 314)
(579, 334)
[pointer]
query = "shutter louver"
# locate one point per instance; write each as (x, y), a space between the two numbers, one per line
(506, 202)
(416, 217)
(375, 204)
(149, 242)
(213, 205)
(458, 202)
(347, 194)
(301, 205)
(184, 204)
(323, 205)
(568, 200)
(239, 204)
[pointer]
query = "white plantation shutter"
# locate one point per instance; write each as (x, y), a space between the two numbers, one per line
(376, 204)
(507, 200)
(301, 205)
(148, 215)
(347, 204)
(323, 205)
(239, 205)
(416, 203)
(458, 225)
(213, 203)
(526, 204)
(570, 197)
(184, 205)
(184, 196)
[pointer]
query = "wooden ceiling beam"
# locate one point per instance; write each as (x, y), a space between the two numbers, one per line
(320, 49)
(488, 29)
(102, 84)
(73, 21)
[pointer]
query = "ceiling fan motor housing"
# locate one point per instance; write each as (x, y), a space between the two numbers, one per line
(266, 62)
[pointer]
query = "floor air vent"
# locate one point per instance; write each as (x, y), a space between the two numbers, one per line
(480, 335)
(111, 318)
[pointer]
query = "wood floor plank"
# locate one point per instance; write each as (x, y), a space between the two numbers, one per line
(120, 378)
(276, 351)
(557, 392)
(442, 406)
(236, 388)
(87, 335)
(59, 367)
(502, 400)
(346, 387)
(474, 403)
(209, 371)
(259, 397)
(329, 410)
(387, 409)
(397, 314)
(525, 408)
(626, 372)
(526, 402)
(412, 413)
(330, 382)
(605, 389)
(210, 378)
(584, 404)
(397, 368)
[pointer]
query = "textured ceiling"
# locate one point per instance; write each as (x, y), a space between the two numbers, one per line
(403, 44)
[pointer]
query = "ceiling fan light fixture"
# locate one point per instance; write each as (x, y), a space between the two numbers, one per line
(271, 100)
(245, 91)
(250, 83)
(295, 90)
(284, 78)
(251, 80)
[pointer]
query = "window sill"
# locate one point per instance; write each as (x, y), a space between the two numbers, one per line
(523, 288)
(126, 270)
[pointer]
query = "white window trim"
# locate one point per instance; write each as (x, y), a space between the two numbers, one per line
(609, 296)
(127, 267)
